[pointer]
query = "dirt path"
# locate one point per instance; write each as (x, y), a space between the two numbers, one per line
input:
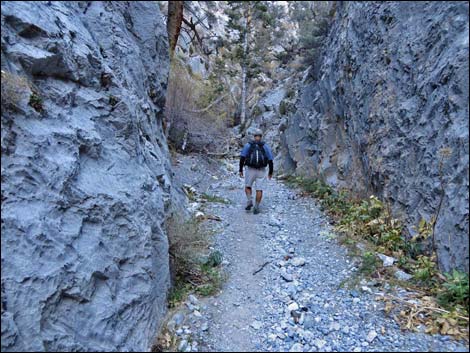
(296, 302)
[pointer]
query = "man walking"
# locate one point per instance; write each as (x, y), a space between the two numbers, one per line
(256, 155)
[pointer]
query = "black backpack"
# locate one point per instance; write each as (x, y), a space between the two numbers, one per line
(257, 155)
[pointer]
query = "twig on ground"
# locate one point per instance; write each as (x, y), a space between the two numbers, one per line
(261, 268)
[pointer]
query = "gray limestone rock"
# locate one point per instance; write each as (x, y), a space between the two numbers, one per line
(86, 180)
(388, 115)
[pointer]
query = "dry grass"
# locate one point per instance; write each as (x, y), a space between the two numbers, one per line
(14, 89)
(192, 265)
(188, 242)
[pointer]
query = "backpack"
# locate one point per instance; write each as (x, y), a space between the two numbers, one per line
(257, 155)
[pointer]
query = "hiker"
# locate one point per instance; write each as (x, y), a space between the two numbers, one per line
(256, 155)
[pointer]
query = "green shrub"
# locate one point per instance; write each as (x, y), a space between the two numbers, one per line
(256, 111)
(213, 282)
(425, 271)
(282, 108)
(35, 101)
(214, 259)
(178, 292)
(113, 100)
(369, 263)
(455, 290)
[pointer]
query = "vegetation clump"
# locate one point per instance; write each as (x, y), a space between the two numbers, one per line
(193, 270)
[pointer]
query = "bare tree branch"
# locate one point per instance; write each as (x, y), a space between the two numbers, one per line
(199, 20)
(192, 26)
(209, 106)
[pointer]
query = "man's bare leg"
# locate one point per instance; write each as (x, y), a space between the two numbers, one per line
(249, 203)
(259, 196)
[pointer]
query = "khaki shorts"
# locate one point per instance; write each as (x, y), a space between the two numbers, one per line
(257, 176)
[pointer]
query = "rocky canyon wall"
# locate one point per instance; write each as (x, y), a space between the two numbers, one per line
(385, 112)
(86, 178)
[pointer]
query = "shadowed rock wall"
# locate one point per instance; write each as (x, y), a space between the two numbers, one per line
(387, 105)
(86, 181)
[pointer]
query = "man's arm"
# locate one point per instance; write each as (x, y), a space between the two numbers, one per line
(269, 154)
(242, 163)
(243, 156)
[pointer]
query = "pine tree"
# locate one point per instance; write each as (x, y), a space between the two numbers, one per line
(247, 30)
(313, 19)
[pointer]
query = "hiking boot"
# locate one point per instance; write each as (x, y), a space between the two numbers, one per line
(249, 205)
(256, 210)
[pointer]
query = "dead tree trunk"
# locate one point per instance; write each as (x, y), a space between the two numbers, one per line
(173, 24)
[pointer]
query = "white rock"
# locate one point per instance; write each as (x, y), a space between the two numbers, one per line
(293, 306)
(335, 326)
(402, 276)
(191, 306)
(183, 345)
(387, 260)
(297, 347)
(199, 215)
(371, 336)
(256, 325)
(287, 276)
(192, 298)
(298, 261)
(197, 313)
(171, 325)
(319, 343)
(274, 222)
(308, 335)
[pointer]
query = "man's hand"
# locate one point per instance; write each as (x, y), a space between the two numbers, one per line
(270, 176)
(241, 174)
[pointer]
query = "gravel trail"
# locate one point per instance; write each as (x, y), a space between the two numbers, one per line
(296, 301)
